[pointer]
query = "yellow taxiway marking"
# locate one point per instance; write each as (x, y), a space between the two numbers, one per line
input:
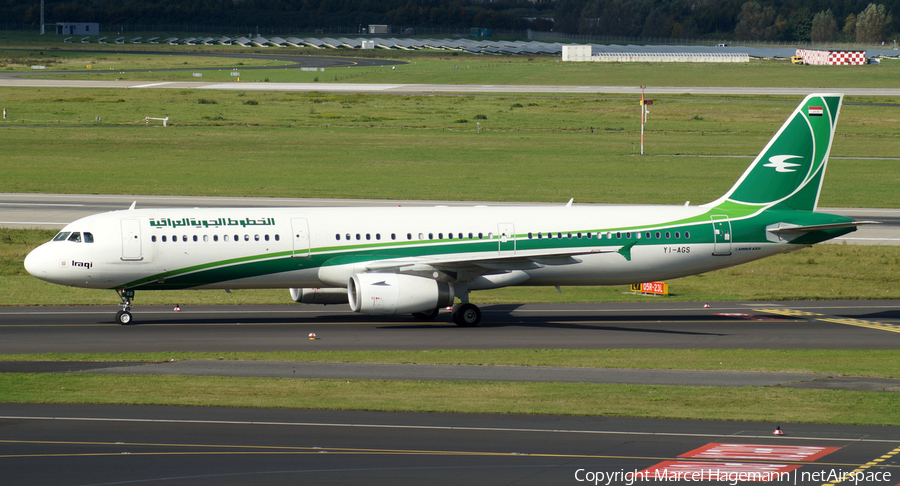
(228, 449)
(881, 326)
(858, 474)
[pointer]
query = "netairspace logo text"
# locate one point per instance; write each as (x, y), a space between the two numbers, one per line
(733, 478)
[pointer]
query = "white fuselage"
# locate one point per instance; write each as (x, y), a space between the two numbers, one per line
(324, 247)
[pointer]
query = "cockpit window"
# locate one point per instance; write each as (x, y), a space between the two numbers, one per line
(88, 237)
(62, 236)
(76, 237)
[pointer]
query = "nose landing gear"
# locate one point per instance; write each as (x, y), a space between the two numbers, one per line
(123, 316)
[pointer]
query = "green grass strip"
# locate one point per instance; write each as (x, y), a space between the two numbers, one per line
(847, 362)
(775, 405)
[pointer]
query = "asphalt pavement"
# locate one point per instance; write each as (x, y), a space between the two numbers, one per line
(74, 444)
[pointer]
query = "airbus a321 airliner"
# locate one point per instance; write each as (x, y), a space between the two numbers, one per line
(417, 260)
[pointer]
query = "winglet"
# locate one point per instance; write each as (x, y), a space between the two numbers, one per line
(132, 205)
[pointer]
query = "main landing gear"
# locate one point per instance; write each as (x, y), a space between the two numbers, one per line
(466, 315)
(123, 317)
(463, 315)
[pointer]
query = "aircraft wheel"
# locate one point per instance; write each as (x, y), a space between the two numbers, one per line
(123, 317)
(426, 316)
(466, 315)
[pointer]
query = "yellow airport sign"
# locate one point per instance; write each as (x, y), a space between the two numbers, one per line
(655, 288)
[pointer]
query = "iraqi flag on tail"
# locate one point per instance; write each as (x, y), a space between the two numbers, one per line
(816, 111)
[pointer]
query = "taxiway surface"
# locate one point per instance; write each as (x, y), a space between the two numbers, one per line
(104, 444)
(145, 445)
(668, 325)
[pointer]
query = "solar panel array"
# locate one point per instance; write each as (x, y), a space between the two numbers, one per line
(484, 46)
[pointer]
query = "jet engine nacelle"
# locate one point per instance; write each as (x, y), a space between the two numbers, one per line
(319, 296)
(391, 293)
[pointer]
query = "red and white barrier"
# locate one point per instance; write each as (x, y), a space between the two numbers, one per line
(832, 57)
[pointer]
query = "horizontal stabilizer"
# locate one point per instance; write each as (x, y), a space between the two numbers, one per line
(789, 228)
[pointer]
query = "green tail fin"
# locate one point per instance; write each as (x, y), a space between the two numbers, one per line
(788, 172)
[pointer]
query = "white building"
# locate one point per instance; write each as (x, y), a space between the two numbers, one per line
(77, 28)
(585, 54)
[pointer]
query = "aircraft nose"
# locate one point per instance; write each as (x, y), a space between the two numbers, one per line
(36, 263)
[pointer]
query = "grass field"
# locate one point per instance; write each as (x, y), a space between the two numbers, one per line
(538, 148)
(416, 147)
(847, 362)
(18, 61)
(777, 405)
(469, 69)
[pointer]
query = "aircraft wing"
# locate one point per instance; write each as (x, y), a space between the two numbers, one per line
(461, 268)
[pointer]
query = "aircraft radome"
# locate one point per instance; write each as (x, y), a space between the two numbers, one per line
(417, 260)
